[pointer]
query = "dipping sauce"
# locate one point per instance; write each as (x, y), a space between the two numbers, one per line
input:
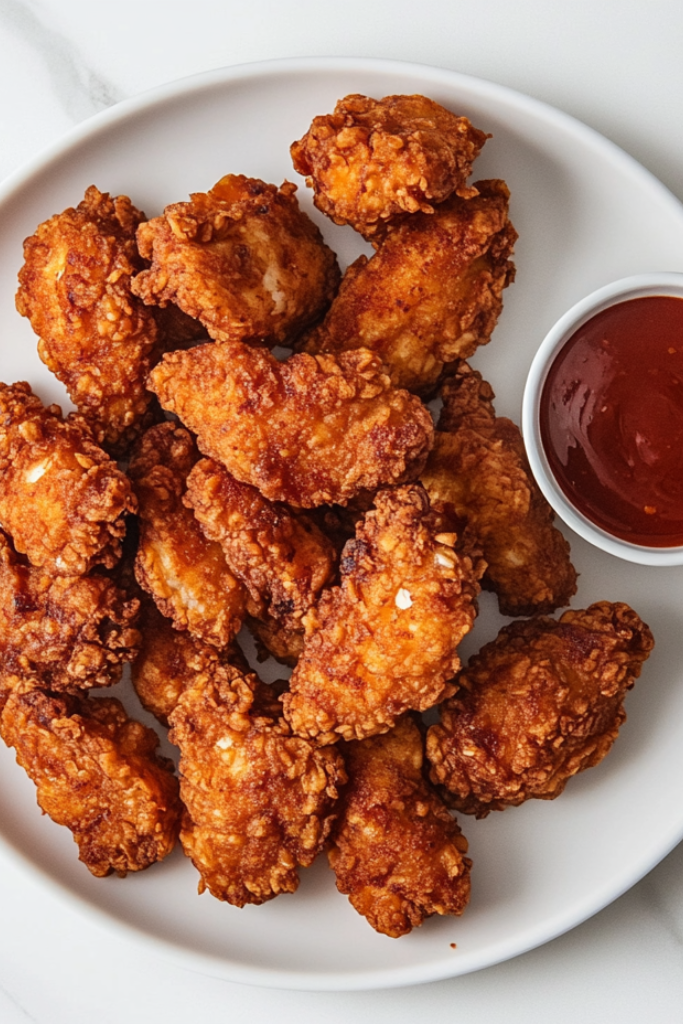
(611, 420)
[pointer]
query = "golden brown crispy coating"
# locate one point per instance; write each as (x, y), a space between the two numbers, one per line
(384, 641)
(259, 801)
(479, 466)
(431, 295)
(371, 161)
(537, 705)
(280, 556)
(62, 632)
(169, 660)
(98, 773)
(184, 571)
(242, 258)
(396, 851)
(308, 431)
(62, 500)
(94, 335)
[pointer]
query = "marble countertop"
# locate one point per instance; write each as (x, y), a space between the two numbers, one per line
(616, 67)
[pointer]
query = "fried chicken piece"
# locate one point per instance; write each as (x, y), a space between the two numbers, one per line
(430, 295)
(259, 801)
(62, 499)
(373, 161)
(62, 632)
(242, 258)
(169, 660)
(280, 556)
(308, 431)
(479, 466)
(184, 571)
(540, 703)
(98, 773)
(94, 335)
(384, 641)
(396, 851)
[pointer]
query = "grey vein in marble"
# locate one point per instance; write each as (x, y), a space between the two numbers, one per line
(13, 1002)
(81, 91)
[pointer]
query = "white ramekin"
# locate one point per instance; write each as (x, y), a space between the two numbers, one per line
(639, 286)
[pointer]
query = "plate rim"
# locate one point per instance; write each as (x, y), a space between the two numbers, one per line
(187, 84)
(382, 978)
(375, 979)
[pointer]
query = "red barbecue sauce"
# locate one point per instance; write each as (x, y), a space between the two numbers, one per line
(611, 420)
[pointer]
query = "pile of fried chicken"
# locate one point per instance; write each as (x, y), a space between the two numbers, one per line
(202, 486)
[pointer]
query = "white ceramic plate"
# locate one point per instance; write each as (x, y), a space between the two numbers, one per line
(587, 214)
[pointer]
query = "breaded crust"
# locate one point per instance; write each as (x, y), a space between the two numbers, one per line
(478, 465)
(243, 259)
(432, 294)
(259, 801)
(184, 571)
(94, 334)
(62, 499)
(308, 431)
(169, 660)
(372, 161)
(63, 632)
(540, 703)
(385, 641)
(396, 851)
(280, 556)
(97, 772)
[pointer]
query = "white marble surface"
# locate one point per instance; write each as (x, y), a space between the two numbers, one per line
(616, 66)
